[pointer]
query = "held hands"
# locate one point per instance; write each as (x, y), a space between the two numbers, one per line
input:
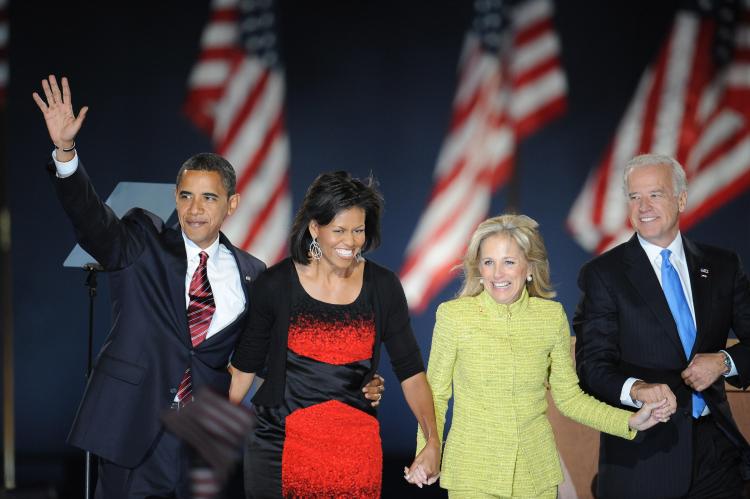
(650, 413)
(62, 124)
(425, 470)
(703, 370)
(654, 392)
(374, 390)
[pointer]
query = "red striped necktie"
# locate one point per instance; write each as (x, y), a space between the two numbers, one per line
(199, 313)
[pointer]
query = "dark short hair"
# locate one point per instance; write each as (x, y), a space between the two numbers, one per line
(210, 162)
(328, 195)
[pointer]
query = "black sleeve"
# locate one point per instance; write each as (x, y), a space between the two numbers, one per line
(597, 349)
(113, 242)
(398, 336)
(740, 352)
(253, 344)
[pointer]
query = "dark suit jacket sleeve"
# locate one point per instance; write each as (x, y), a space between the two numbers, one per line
(741, 326)
(113, 242)
(596, 327)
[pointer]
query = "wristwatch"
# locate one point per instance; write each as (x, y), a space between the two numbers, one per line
(727, 363)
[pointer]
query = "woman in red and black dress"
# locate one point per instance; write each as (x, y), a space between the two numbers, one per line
(317, 320)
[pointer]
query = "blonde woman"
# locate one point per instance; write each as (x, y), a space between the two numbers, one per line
(496, 349)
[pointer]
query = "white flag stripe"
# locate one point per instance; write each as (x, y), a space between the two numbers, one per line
(719, 130)
(220, 34)
(526, 14)
(446, 204)
(738, 75)
(252, 131)
(209, 73)
(272, 239)
(236, 91)
(677, 75)
(259, 191)
(538, 51)
(719, 174)
(537, 94)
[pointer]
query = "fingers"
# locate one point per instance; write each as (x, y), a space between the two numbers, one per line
(417, 475)
(374, 390)
(55, 89)
(47, 93)
(39, 102)
(81, 117)
(66, 92)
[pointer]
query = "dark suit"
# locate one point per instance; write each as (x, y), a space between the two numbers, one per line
(140, 366)
(625, 329)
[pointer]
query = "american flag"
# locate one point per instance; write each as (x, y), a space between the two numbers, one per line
(4, 36)
(510, 84)
(236, 95)
(693, 104)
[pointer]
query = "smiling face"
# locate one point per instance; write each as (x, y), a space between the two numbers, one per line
(653, 207)
(202, 205)
(342, 239)
(503, 268)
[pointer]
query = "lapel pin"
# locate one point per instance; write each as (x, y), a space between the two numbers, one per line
(704, 273)
(248, 278)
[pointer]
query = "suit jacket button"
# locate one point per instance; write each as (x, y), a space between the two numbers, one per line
(192, 352)
(173, 390)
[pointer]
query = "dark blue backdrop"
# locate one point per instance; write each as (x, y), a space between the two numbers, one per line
(370, 86)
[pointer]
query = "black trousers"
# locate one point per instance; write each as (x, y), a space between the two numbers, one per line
(716, 463)
(162, 474)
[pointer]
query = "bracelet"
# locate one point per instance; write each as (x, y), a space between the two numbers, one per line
(69, 149)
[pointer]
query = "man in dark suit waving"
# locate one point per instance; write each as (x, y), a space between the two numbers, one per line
(179, 300)
(653, 323)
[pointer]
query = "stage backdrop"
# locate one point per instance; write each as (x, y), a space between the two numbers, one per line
(369, 90)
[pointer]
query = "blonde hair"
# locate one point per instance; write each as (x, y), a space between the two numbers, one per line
(525, 232)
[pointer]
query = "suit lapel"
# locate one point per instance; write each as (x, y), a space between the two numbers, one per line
(700, 284)
(245, 278)
(176, 270)
(641, 274)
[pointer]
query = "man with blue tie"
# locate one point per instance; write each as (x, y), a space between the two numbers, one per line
(653, 323)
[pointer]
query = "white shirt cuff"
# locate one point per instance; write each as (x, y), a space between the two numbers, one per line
(733, 370)
(66, 168)
(625, 394)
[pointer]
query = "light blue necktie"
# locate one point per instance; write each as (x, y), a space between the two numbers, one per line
(670, 282)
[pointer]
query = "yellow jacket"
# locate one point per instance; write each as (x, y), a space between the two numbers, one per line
(500, 359)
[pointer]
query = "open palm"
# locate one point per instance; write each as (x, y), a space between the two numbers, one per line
(62, 123)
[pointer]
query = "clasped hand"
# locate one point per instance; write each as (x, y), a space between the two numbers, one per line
(425, 470)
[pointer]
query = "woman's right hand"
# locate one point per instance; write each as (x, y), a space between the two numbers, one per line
(650, 414)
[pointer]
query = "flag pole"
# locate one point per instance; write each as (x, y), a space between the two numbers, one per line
(6, 305)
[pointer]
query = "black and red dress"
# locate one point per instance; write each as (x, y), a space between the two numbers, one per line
(316, 434)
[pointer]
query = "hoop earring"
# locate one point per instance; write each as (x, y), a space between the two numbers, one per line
(359, 257)
(315, 250)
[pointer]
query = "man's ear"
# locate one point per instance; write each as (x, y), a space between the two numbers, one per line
(234, 201)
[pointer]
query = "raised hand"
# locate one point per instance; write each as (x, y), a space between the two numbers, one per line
(62, 124)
